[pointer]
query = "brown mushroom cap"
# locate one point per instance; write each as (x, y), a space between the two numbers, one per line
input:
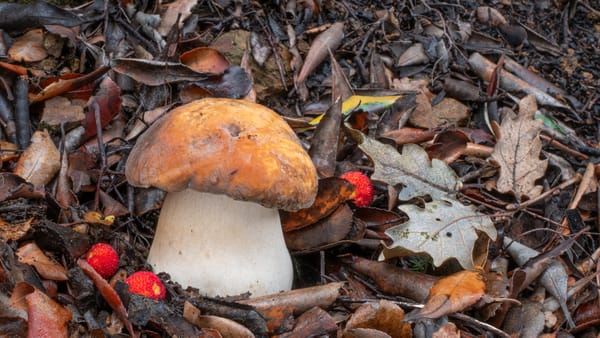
(225, 146)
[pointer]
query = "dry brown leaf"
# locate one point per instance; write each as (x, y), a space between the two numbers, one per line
(449, 112)
(227, 327)
(452, 294)
(14, 231)
(384, 316)
(29, 47)
(174, 9)
(31, 254)
(301, 300)
(518, 152)
(40, 162)
(46, 318)
(328, 40)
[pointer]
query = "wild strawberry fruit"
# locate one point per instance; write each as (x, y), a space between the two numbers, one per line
(104, 259)
(147, 284)
(363, 188)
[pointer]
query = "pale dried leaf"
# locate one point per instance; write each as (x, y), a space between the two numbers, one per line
(443, 229)
(518, 152)
(412, 169)
(40, 162)
(29, 47)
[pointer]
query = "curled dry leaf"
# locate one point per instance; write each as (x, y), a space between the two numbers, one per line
(518, 152)
(227, 327)
(452, 294)
(205, 59)
(443, 229)
(489, 15)
(40, 162)
(414, 55)
(31, 254)
(332, 192)
(392, 279)
(300, 300)
(384, 316)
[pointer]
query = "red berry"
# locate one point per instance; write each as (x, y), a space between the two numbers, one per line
(104, 259)
(147, 284)
(363, 188)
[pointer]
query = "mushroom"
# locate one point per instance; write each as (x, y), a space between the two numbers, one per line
(227, 166)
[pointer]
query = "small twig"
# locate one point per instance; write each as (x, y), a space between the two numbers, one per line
(519, 206)
(479, 323)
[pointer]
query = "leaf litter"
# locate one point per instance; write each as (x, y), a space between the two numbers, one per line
(419, 96)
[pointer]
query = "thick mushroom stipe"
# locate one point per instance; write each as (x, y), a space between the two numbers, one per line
(228, 165)
(221, 258)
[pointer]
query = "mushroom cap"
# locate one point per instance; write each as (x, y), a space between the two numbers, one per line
(225, 146)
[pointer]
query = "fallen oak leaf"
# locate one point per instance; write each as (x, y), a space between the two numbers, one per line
(108, 293)
(518, 151)
(412, 168)
(443, 229)
(451, 294)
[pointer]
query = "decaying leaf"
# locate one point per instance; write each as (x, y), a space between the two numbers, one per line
(384, 316)
(31, 254)
(177, 12)
(392, 279)
(452, 294)
(443, 229)
(29, 47)
(46, 318)
(413, 169)
(518, 152)
(40, 161)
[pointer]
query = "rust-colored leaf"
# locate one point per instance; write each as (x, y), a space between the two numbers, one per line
(40, 162)
(327, 41)
(66, 85)
(46, 318)
(384, 316)
(30, 253)
(205, 59)
(106, 103)
(332, 192)
(108, 293)
(518, 152)
(327, 232)
(452, 294)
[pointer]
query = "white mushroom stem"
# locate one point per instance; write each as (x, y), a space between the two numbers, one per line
(221, 246)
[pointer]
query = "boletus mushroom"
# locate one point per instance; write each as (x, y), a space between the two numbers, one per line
(228, 166)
